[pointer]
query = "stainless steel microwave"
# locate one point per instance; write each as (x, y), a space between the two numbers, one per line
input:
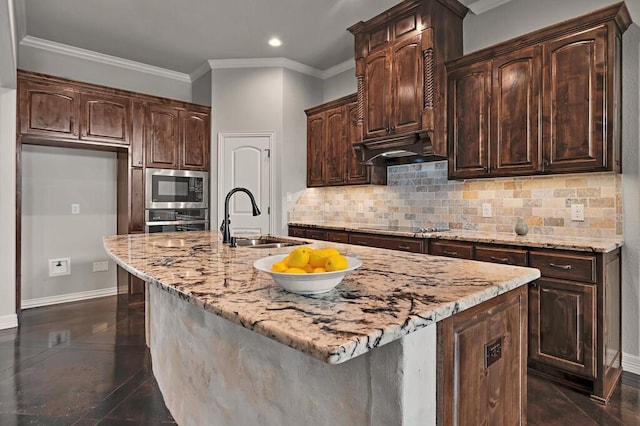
(176, 189)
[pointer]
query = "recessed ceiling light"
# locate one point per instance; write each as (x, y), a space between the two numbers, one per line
(275, 42)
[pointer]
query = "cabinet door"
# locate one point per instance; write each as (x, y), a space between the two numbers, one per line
(296, 231)
(137, 139)
(469, 99)
(407, 91)
(516, 146)
(162, 137)
(561, 325)
(106, 118)
(459, 249)
(575, 107)
(136, 221)
(389, 242)
(377, 94)
(49, 110)
(315, 150)
(356, 172)
(194, 140)
(336, 146)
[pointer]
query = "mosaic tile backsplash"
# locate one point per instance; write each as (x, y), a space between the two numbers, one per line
(420, 195)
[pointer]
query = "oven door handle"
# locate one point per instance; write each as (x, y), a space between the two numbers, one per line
(176, 222)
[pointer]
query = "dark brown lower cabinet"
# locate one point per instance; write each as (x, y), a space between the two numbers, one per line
(457, 249)
(387, 241)
(482, 363)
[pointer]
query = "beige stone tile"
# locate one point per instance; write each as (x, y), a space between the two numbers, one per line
(602, 202)
(588, 192)
(470, 195)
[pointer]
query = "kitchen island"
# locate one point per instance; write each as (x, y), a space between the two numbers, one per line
(231, 347)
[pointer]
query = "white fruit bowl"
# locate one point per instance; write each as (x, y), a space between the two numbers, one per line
(305, 283)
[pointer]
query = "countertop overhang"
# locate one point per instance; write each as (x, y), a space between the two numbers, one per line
(391, 295)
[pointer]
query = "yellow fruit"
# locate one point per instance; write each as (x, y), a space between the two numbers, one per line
(295, 271)
(297, 259)
(308, 268)
(330, 251)
(279, 267)
(318, 258)
(336, 262)
(286, 261)
(319, 270)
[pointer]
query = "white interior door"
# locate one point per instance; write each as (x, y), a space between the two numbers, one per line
(244, 161)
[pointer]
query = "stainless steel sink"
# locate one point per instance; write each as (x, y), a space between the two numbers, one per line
(267, 241)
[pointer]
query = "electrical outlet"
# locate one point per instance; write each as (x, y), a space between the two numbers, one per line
(100, 266)
(577, 212)
(360, 208)
(75, 208)
(486, 210)
(289, 197)
(61, 266)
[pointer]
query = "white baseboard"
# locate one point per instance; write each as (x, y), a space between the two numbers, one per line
(70, 297)
(8, 321)
(631, 363)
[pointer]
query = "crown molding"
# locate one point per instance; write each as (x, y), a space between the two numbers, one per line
(266, 63)
(482, 6)
(200, 71)
(347, 65)
(21, 19)
(90, 55)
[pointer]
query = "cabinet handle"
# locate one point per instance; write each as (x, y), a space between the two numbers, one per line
(534, 285)
(361, 243)
(486, 169)
(500, 259)
(404, 247)
(566, 267)
(450, 253)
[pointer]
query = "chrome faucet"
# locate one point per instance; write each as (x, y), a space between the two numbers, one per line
(224, 227)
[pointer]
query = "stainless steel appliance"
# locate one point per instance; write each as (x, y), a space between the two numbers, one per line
(176, 200)
(176, 189)
(172, 220)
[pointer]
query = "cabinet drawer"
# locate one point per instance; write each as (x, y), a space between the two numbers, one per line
(507, 256)
(317, 234)
(295, 231)
(460, 250)
(338, 237)
(573, 266)
(392, 243)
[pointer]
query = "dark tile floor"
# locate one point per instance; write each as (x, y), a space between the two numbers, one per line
(86, 363)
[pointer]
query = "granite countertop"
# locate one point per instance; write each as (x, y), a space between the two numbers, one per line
(393, 294)
(597, 245)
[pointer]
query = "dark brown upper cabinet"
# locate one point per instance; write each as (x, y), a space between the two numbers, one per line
(162, 137)
(106, 118)
(194, 140)
(546, 102)
(331, 129)
(400, 56)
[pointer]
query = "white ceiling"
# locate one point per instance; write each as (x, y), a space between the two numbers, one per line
(181, 35)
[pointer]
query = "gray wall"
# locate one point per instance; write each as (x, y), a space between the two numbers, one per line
(52, 180)
(201, 90)
(7, 165)
(63, 65)
(521, 16)
(340, 85)
(300, 92)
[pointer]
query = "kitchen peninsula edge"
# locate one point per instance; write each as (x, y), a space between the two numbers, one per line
(379, 325)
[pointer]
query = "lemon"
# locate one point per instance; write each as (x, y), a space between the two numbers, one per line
(308, 268)
(319, 270)
(295, 271)
(330, 251)
(279, 267)
(299, 257)
(318, 258)
(286, 261)
(337, 262)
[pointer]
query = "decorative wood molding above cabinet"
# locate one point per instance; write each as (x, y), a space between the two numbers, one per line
(400, 56)
(331, 131)
(547, 102)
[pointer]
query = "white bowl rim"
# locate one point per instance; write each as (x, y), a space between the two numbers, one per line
(353, 263)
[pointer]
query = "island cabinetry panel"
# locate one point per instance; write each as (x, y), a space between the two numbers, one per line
(386, 241)
(48, 110)
(552, 106)
(457, 249)
(574, 329)
(482, 362)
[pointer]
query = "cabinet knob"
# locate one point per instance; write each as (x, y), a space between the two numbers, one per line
(450, 253)
(500, 259)
(565, 267)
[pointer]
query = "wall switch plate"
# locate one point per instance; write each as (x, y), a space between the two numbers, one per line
(577, 212)
(288, 197)
(60, 266)
(360, 208)
(486, 210)
(75, 208)
(100, 266)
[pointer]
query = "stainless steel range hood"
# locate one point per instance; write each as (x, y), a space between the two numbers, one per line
(407, 148)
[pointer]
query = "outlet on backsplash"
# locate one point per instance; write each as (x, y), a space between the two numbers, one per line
(486, 210)
(360, 208)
